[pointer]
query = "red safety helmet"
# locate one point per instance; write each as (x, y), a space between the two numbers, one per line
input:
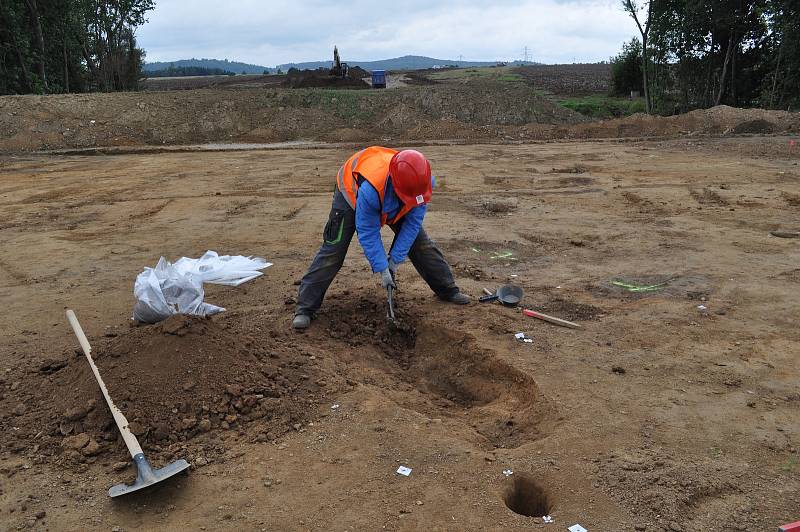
(411, 177)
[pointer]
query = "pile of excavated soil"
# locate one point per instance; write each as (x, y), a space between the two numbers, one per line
(471, 111)
(314, 79)
(271, 115)
(173, 381)
(715, 121)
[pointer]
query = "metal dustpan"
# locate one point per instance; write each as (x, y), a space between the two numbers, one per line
(509, 295)
(145, 475)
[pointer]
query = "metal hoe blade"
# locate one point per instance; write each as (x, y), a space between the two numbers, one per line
(390, 315)
(146, 476)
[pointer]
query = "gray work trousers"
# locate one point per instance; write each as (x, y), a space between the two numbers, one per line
(338, 232)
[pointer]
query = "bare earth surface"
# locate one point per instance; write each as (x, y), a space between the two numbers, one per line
(673, 409)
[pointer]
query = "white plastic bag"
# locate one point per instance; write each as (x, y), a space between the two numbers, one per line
(177, 288)
(226, 269)
(163, 291)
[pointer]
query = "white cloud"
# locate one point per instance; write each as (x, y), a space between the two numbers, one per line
(270, 33)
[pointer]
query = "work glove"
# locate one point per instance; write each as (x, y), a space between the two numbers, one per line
(393, 268)
(387, 280)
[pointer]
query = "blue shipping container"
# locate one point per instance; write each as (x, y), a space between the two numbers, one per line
(379, 79)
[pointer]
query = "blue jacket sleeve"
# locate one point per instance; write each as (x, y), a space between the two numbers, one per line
(368, 226)
(412, 222)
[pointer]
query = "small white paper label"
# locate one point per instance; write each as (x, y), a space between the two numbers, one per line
(577, 528)
(403, 470)
(547, 518)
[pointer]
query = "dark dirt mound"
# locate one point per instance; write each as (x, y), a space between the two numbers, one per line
(173, 381)
(364, 322)
(325, 81)
(356, 72)
(758, 126)
(299, 79)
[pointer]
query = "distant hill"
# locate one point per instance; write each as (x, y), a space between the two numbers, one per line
(189, 71)
(407, 62)
(224, 64)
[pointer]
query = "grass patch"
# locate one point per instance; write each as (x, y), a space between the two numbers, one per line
(788, 466)
(599, 106)
(343, 103)
(505, 74)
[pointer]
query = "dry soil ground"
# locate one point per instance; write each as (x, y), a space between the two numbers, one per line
(673, 409)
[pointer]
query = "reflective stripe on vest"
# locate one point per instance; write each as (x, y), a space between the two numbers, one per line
(340, 185)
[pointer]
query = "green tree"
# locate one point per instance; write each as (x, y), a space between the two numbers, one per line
(626, 69)
(15, 52)
(641, 13)
(780, 87)
(108, 43)
(70, 45)
(703, 53)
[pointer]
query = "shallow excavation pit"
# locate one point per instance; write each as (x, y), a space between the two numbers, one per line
(527, 497)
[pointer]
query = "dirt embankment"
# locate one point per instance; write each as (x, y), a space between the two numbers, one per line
(253, 115)
(470, 111)
(174, 381)
(720, 120)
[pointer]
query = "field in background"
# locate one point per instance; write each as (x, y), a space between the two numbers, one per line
(582, 88)
(502, 74)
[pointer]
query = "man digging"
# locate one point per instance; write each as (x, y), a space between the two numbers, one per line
(376, 187)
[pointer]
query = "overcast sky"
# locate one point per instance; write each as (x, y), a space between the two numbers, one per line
(278, 31)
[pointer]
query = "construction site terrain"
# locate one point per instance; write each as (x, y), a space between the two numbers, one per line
(674, 407)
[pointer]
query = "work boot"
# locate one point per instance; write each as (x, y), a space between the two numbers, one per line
(458, 298)
(301, 321)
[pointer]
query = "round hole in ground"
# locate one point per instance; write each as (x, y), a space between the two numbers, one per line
(527, 497)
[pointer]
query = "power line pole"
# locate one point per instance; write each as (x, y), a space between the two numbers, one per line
(525, 55)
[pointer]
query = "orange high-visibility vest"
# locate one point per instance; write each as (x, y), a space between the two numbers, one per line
(372, 165)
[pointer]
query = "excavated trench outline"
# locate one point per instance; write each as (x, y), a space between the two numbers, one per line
(458, 378)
